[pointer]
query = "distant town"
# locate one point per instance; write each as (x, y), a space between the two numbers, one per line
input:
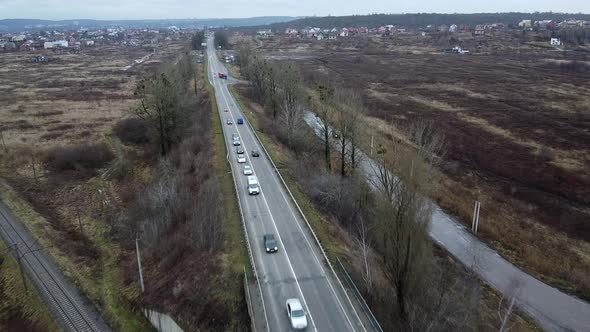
(72, 41)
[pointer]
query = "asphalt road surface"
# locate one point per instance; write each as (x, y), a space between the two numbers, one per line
(69, 308)
(553, 309)
(297, 269)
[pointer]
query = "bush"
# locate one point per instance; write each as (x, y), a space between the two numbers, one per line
(77, 158)
(132, 130)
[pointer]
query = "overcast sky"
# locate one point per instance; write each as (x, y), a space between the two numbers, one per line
(138, 9)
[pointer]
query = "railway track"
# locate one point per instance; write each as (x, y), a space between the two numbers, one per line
(72, 310)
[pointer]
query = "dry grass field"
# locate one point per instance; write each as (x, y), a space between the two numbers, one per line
(72, 102)
(517, 126)
(71, 98)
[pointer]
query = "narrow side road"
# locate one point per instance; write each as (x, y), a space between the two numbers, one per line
(553, 309)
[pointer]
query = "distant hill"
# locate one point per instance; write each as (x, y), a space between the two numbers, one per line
(14, 25)
(421, 19)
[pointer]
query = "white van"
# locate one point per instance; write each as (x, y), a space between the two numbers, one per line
(253, 187)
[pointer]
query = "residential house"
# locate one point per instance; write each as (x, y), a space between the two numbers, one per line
(333, 35)
(382, 30)
(320, 36)
(55, 44)
(453, 28)
(363, 30)
(443, 28)
(525, 24)
(18, 38)
(344, 32)
(480, 30)
(264, 33)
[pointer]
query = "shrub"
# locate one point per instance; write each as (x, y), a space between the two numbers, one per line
(80, 157)
(132, 130)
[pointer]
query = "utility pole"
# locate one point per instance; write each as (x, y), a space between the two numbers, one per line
(139, 264)
(475, 220)
(79, 220)
(371, 145)
(33, 165)
(3, 143)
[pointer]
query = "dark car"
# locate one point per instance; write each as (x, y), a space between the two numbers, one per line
(239, 150)
(270, 244)
(255, 153)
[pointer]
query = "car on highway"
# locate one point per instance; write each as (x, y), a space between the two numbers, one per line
(253, 187)
(229, 121)
(239, 150)
(248, 170)
(270, 244)
(240, 121)
(255, 153)
(296, 314)
(226, 110)
(241, 158)
(237, 142)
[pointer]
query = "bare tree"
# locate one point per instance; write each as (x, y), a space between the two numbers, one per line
(507, 303)
(323, 111)
(348, 105)
(404, 215)
(363, 241)
(158, 203)
(206, 216)
(291, 102)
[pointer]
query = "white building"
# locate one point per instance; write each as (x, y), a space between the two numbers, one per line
(54, 44)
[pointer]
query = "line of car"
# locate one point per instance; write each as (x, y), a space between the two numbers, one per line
(295, 312)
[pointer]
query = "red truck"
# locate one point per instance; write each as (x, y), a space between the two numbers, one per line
(222, 75)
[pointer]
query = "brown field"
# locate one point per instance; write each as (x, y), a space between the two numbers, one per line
(517, 124)
(73, 102)
(73, 97)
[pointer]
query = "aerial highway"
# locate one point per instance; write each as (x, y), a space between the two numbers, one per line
(297, 269)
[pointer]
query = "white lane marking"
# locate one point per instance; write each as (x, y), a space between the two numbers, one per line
(222, 92)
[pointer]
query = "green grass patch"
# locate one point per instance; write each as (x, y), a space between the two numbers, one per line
(236, 256)
(280, 156)
(13, 299)
(102, 282)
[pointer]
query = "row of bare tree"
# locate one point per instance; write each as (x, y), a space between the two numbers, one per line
(281, 89)
(387, 215)
(184, 193)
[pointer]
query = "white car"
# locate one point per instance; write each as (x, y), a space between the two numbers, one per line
(247, 170)
(296, 314)
(237, 142)
(241, 158)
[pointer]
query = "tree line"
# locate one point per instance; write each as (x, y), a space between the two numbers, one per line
(173, 118)
(420, 19)
(387, 216)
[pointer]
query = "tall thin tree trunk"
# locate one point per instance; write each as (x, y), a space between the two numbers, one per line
(343, 156)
